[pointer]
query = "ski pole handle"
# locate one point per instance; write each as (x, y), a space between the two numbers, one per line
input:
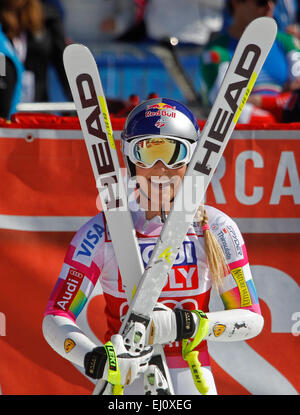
(192, 359)
(191, 356)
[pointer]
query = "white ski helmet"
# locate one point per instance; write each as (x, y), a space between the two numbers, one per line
(159, 117)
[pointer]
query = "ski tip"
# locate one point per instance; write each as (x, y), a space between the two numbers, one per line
(74, 50)
(264, 24)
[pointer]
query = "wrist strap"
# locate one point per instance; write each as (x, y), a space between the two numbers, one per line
(203, 326)
(94, 362)
(184, 323)
(114, 375)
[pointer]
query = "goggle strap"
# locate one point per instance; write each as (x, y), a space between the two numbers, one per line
(126, 148)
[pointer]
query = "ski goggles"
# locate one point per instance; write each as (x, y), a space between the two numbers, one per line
(146, 151)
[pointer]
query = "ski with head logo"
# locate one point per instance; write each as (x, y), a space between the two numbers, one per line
(87, 91)
(247, 61)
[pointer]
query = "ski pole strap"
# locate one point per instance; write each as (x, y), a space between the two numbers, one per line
(114, 375)
(191, 356)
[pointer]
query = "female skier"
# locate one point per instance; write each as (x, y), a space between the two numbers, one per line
(158, 140)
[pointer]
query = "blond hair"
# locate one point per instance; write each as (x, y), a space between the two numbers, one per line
(215, 255)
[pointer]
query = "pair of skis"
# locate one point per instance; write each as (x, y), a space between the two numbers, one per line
(87, 91)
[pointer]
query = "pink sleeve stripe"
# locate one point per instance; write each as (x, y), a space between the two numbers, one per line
(92, 272)
(254, 307)
(56, 312)
(240, 262)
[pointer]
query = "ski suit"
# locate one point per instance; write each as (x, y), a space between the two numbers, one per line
(91, 257)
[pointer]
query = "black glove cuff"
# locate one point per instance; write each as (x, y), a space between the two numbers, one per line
(185, 324)
(94, 362)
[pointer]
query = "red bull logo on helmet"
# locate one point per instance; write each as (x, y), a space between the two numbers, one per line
(160, 109)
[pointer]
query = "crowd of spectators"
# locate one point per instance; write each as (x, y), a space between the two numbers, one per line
(34, 33)
(32, 38)
(279, 78)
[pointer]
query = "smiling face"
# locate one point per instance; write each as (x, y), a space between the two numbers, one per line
(158, 187)
(158, 141)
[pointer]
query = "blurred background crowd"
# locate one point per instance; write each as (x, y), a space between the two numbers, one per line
(175, 48)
